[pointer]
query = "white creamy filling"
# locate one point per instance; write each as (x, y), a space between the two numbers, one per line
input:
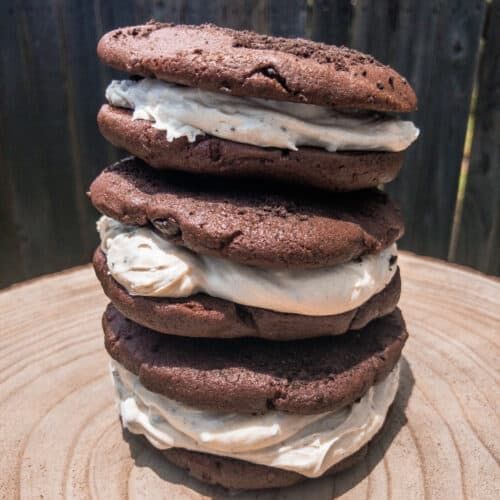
(189, 112)
(146, 264)
(307, 444)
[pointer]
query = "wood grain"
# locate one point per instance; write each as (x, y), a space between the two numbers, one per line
(60, 436)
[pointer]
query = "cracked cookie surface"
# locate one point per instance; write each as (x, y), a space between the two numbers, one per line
(255, 375)
(255, 224)
(249, 64)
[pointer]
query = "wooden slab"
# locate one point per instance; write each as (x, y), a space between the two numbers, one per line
(60, 436)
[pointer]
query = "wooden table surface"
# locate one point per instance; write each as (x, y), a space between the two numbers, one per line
(60, 436)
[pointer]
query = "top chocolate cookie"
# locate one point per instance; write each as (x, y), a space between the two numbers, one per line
(243, 63)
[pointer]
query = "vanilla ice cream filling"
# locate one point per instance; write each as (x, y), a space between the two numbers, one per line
(190, 112)
(307, 444)
(148, 265)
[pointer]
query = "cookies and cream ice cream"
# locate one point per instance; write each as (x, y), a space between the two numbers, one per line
(189, 112)
(146, 264)
(307, 444)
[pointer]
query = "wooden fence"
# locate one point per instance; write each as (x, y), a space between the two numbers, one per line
(51, 86)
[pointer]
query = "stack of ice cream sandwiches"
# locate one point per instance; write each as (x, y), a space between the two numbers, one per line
(249, 257)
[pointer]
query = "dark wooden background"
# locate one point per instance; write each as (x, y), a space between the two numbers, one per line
(51, 86)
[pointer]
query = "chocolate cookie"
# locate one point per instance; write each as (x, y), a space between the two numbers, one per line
(203, 316)
(254, 375)
(341, 171)
(249, 64)
(240, 475)
(257, 225)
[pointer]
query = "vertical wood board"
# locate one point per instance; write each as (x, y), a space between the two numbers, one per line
(479, 231)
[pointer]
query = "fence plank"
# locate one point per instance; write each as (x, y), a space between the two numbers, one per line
(435, 45)
(11, 265)
(167, 11)
(331, 21)
(36, 139)
(479, 237)
(199, 12)
(374, 25)
(12, 262)
(287, 17)
(243, 14)
(52, 85)
(83, 95)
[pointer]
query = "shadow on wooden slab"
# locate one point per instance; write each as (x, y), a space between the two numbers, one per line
(177, 483)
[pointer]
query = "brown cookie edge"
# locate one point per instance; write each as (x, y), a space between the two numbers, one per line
(204, 316)
(340, 171)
